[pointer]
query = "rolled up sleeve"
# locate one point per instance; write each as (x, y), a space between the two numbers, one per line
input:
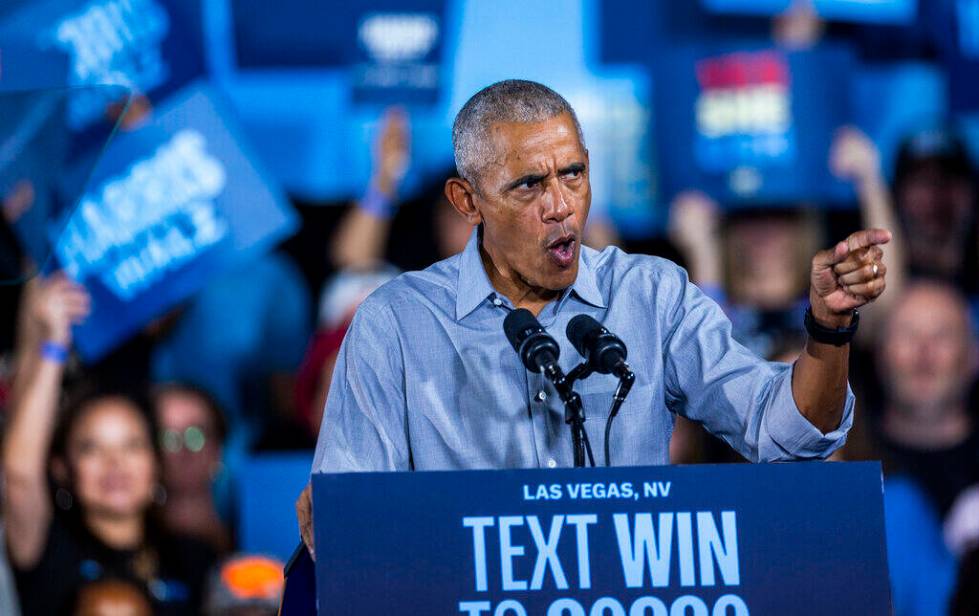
(742, 399)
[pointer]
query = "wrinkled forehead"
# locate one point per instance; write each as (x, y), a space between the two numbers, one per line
(520, 147)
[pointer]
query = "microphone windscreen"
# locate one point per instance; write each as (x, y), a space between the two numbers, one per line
(578, 331)
(518, 325)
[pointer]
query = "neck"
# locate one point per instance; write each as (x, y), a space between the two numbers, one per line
(927, 430)
(509, 283)
(117, 532)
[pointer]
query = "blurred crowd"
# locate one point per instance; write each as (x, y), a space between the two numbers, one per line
(119, 476)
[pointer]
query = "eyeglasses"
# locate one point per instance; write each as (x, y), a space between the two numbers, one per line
(191, 438)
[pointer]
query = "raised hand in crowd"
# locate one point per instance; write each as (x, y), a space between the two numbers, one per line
(855, 158)
(50, 308)
(695, 228)
(360, 239)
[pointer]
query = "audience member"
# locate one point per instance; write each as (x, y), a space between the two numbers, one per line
(241, 339)
(928, 360)
(102, 456)
(754, 263)
(192, 432)
(112, 597)
(245, 585)
(339, 301)
(935, 197)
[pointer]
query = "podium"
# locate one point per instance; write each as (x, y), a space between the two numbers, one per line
(712, 540)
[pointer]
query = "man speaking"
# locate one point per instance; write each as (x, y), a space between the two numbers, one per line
(427, 380)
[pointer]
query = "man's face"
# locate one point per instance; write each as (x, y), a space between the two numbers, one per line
(533, 199)
(927, 352)
(935, 203)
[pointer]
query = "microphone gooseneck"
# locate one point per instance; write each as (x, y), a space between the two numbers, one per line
(605, 353)
(539, 353)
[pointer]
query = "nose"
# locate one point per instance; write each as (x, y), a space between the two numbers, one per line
(557, 205)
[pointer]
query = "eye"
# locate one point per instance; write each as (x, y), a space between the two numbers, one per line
(531, 183)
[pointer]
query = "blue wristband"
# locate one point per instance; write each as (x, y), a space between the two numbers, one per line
(377, 203)
(55, 352)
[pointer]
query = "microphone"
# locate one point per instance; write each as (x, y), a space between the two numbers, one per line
(603, 350)
(604, 353)
(539, 353)
(536, 348)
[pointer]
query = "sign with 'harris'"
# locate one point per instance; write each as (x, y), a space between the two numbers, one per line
(702, 540)
(170, 205)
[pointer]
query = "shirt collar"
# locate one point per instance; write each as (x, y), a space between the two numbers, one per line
(474, 285)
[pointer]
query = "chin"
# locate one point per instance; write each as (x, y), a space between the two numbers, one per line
(561, 280)
(119, 507)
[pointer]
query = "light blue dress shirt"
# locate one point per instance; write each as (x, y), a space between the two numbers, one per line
(426, 379)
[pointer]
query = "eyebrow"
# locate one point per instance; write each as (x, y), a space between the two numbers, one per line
(530, 177)
(536, 177)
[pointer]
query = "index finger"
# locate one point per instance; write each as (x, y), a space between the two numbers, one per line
(867, 237)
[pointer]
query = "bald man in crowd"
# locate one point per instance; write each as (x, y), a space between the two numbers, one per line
(928, 360)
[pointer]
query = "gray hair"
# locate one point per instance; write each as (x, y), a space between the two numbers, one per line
(512, 100)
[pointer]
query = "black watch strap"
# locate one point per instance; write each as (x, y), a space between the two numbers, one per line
(826, 335)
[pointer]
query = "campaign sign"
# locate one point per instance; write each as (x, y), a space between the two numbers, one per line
(872, 11)
(392, 48)
(960, 54)
(750, 125)
(801, 539)
(22, 66)
(399, 50)
(32, 158)
(169, 205)
(148, 46)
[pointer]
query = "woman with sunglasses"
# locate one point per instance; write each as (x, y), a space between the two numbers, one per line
(101, 455)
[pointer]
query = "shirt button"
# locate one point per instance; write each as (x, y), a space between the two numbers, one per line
(497, 301)
(541, 396)
(552, 463)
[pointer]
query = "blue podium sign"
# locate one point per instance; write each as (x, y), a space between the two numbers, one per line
(734, 539)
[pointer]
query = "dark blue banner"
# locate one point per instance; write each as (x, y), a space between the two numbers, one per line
(794, 539)
(751, 125)
(393, 49)
(875, 11)
(170, 205)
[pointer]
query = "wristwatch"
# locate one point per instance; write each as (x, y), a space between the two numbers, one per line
(827, 335)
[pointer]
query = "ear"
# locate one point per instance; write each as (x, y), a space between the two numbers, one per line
(461, 195)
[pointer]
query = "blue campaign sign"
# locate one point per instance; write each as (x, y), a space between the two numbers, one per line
(169, 205)
(959, 51)
(23, 66)
(794, 539)
(873, 11)
(393, 49)
(32, 158)
(149, 46)
(750, 124)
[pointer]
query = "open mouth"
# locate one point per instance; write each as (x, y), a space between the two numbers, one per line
(561, 250)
